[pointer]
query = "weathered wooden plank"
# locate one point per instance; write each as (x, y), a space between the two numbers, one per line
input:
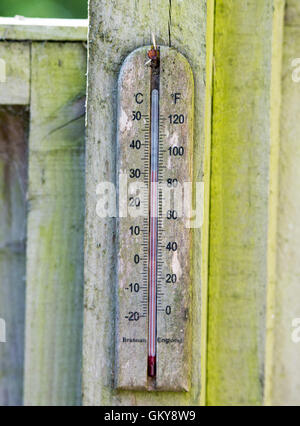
(13, 184)
(239, 202)
(117, 28)
(15, 75)
(20, 28)
(283, 382)
(55, 225)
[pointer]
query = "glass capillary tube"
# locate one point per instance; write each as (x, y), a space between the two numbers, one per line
(153, 233)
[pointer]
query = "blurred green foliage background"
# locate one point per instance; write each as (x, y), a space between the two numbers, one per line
(44, 8)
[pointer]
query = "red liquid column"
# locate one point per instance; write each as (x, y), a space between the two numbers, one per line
(153, 237)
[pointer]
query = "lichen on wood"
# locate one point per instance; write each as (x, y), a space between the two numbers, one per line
(54, 297)
(241, 118)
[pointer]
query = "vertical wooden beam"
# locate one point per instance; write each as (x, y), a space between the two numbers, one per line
(117, 28)
(13, 186)
(239, 202)
(207, 174)
(283, 350)
(55, 225)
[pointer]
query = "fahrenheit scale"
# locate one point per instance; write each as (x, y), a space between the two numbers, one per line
(154, 174)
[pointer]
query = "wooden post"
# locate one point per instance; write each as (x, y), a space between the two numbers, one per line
(55, 225)
(116, 29)
(241, 139)
(283, 351)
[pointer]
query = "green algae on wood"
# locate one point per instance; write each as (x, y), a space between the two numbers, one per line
(239, 202)
(54, 299)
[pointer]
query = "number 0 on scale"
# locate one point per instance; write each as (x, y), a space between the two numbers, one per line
(155, 148)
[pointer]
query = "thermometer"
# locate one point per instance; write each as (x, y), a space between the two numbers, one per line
(154, 175)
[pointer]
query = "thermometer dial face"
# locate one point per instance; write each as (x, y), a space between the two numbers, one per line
(154, 175)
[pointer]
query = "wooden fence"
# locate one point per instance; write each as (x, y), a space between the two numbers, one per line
(246, 293)
(42, 191)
